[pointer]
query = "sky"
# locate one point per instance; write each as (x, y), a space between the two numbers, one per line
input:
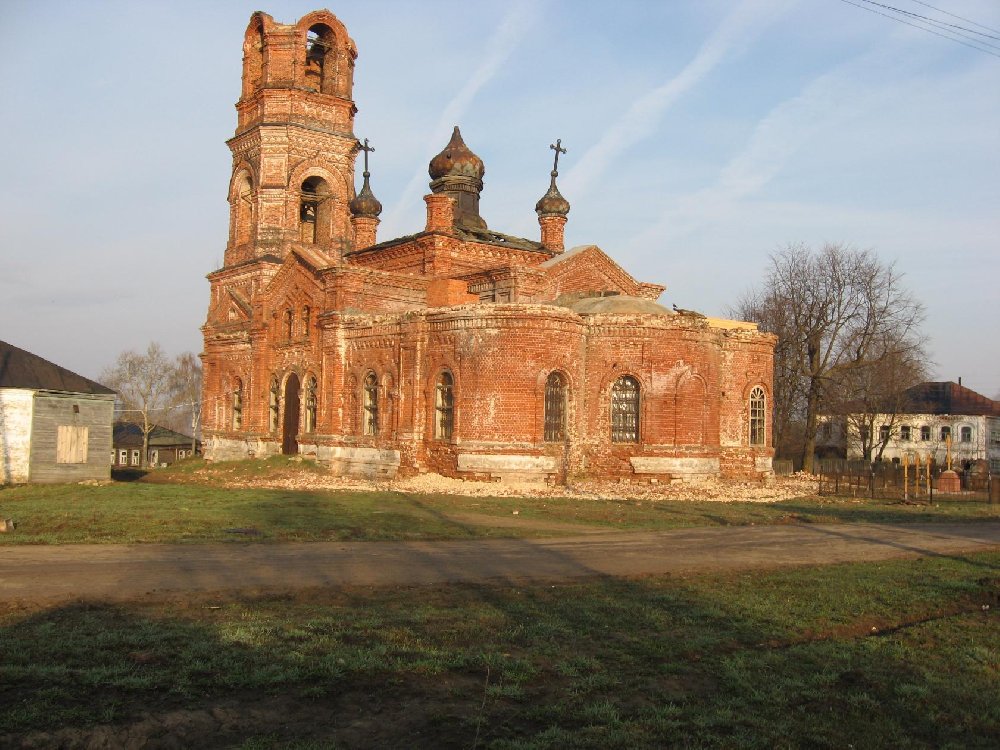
(703, 136)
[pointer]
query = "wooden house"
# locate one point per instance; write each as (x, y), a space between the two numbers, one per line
(55, 425)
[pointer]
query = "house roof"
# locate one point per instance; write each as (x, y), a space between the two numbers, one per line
(128, 432)
(21, 369)
(949, 398)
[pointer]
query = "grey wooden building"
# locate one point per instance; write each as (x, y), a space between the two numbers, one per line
(55, 425)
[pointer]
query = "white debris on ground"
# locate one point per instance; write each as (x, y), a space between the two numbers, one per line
(781, 488)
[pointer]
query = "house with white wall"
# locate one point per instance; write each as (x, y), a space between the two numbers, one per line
(55, 425)
(932, 413)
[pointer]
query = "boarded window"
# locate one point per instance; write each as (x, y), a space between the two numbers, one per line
(625, 410)
(71, 444)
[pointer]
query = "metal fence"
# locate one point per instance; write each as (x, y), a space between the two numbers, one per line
(892, 481)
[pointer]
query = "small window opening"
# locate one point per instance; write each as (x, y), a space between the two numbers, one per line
(311, 404)
(274, 399)
(237, 404)
(370, 397)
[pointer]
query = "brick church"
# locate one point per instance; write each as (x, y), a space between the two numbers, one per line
(456, 349)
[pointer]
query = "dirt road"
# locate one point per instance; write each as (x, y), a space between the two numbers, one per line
(127, 571)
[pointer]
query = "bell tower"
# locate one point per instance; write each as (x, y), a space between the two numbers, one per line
(294, 147)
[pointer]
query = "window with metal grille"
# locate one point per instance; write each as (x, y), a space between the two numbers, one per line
(371, 404)
(444, 407)
(625, 410)
(757, 416)
(555, 408)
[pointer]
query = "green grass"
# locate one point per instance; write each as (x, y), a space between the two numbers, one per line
(186, 504)
(896, 654)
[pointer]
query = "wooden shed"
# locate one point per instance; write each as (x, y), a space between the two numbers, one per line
(55, 425)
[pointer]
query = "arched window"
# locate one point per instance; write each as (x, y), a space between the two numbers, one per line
(555, 408)
(945, 433)
(320, 62)
(243, 210)
(310, 404)
(966, 434)
(757, 417)
(306, 321)
(370, 400)
(311, 210)
(289, 324)
(237, 404)
(274, 399)
(925, 432)
(625, 410)
(904, 433)
(444, 407)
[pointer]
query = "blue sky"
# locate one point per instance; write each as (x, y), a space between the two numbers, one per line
(702, 136)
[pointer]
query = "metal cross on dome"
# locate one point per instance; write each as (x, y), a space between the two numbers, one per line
(366, 148)
(557, 147)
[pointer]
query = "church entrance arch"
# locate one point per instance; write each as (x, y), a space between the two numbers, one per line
(290, 424)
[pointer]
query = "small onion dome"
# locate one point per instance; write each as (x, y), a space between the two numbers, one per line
(456, 159)
(552, 202)
(365, 203)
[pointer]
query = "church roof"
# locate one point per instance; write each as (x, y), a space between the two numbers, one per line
(617, 304)
(21, 369)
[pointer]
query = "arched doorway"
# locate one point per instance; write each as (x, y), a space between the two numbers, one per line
(290, 425)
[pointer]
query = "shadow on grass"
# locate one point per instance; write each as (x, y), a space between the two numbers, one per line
(761, 660)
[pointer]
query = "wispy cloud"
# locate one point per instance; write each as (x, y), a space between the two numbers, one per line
(498, 50)
(737, 30)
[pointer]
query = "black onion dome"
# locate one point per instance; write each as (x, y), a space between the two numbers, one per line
(552, 202)
(365, 203)
(456, 159)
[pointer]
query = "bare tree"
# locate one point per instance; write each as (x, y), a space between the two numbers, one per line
(836, 312)
(146, 386)
(871, 397)
(186, 388)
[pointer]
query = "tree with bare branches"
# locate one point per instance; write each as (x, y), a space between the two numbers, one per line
(146, 385)
(841, 317)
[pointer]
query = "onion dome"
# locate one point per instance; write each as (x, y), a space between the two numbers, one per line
(457, 160)
(552, 203)
(365, 203)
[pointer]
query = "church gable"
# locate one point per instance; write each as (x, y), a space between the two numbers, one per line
(587, 269)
